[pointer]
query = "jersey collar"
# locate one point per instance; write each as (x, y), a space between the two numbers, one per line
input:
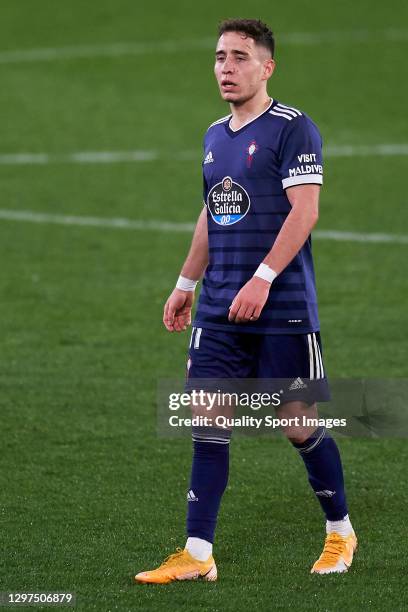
(233, 133)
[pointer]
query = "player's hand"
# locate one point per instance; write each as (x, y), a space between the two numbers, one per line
(249, 301)
(177, 310)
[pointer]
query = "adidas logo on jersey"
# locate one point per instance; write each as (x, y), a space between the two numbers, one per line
(209, 158)
(191, 496)
(297, 384)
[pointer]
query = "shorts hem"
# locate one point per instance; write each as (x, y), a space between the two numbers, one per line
(237, 329)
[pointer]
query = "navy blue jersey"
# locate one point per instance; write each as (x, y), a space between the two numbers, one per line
(246, 172)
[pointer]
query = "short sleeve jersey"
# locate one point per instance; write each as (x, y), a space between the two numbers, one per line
(246, 173)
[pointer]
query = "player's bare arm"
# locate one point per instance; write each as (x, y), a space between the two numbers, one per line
(177, 310)
(304, 199)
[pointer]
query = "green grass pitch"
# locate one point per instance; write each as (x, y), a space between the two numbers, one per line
(89, 494)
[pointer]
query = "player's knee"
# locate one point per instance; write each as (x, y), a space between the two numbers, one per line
(298, 437)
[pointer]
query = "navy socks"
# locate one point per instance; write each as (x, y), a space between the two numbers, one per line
(323, 464)
(209, 477)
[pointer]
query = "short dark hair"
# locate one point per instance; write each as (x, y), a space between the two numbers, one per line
(254, 28)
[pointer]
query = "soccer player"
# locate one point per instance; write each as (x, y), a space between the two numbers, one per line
(257, 312)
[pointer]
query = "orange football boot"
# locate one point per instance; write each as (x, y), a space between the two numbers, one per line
(337, 555)
(180, 566)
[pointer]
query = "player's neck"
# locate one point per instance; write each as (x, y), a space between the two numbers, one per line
(243, 113)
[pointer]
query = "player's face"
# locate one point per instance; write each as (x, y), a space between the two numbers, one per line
(241, 67)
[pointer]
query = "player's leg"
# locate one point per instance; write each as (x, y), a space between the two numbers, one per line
(322, 461)
(209, 477)
(300, 359)
(321, 457)
(213, 357)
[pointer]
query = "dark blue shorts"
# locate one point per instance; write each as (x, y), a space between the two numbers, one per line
(290, 361)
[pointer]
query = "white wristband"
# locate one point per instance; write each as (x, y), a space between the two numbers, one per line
(265, 272)
(186, 284)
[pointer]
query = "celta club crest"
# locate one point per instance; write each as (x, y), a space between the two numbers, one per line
(252, 148)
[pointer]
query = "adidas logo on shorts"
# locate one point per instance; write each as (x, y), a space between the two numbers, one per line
(297, 384)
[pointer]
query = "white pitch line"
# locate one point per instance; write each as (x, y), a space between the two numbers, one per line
(168, 226)
(112, 157)
(113, 50)
(114, 223)
(107, 157)
(94, 157)
(24, 159)
(360, 237)
(396, 149)
(121, 49)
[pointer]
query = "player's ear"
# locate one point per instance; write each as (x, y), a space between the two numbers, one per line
(269, 67)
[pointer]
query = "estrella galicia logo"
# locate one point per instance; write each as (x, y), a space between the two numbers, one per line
(228, 202)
